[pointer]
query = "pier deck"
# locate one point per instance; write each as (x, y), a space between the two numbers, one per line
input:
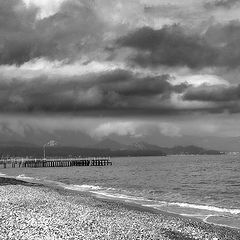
(67, 162)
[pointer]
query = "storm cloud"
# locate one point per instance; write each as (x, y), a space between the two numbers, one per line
(115, 93)
(224, 98)
(77, 32)
(64, 35)
(173, 46)
(221, 4)
(168, 46)
(213, 93)
(88, 61)
(110, 91)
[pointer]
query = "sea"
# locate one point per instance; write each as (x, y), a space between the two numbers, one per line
(203, 187)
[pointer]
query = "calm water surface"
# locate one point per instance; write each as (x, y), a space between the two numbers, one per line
(206, 187)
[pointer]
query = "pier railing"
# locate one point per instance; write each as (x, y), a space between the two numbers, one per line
(56, 162)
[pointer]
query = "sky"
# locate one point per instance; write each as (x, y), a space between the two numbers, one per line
(160, 70)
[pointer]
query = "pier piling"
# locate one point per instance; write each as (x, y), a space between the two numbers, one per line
(67, 162)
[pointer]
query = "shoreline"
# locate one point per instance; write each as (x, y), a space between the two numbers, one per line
(135, 206)
(170, 224)
(61, 186)
(127, 204)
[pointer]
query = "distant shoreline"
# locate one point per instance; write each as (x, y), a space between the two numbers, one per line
(138, 150)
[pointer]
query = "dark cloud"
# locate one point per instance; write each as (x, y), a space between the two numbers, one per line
(126, 84)
(226, 38)
(65, 35)
(72, 31)
(114, 93)
(168, 46)
(223, 35)
(172, 46)
(17, 33)
(224, 98)
(215, 93)
(118, 90)
(221, 4)
(77, 30)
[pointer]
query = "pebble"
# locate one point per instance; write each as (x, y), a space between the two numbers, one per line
(41, 213)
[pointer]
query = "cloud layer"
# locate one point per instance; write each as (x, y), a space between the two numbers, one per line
(110, 92)
(172, 46)
(120, 59)
(75, 28)
(221, 4)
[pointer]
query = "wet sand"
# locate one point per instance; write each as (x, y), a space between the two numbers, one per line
(31, 211)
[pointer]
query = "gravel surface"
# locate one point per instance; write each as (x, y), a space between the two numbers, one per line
(34, 212)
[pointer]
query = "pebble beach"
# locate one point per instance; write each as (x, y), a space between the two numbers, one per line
(29, 211)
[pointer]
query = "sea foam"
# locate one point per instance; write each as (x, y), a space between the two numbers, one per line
(206, 207)
(23, 176)
(83, 187)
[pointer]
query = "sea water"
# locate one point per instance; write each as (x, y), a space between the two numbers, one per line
(205, 187)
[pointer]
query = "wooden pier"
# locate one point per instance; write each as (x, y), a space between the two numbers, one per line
(67, 162)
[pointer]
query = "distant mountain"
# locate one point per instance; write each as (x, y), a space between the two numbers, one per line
(136, 149)
(81, 139)
(109, 144)
(144, 146)
(107, 147)
(190, 150)
(114, 145)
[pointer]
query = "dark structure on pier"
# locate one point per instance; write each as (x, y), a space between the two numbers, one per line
(39, 163)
